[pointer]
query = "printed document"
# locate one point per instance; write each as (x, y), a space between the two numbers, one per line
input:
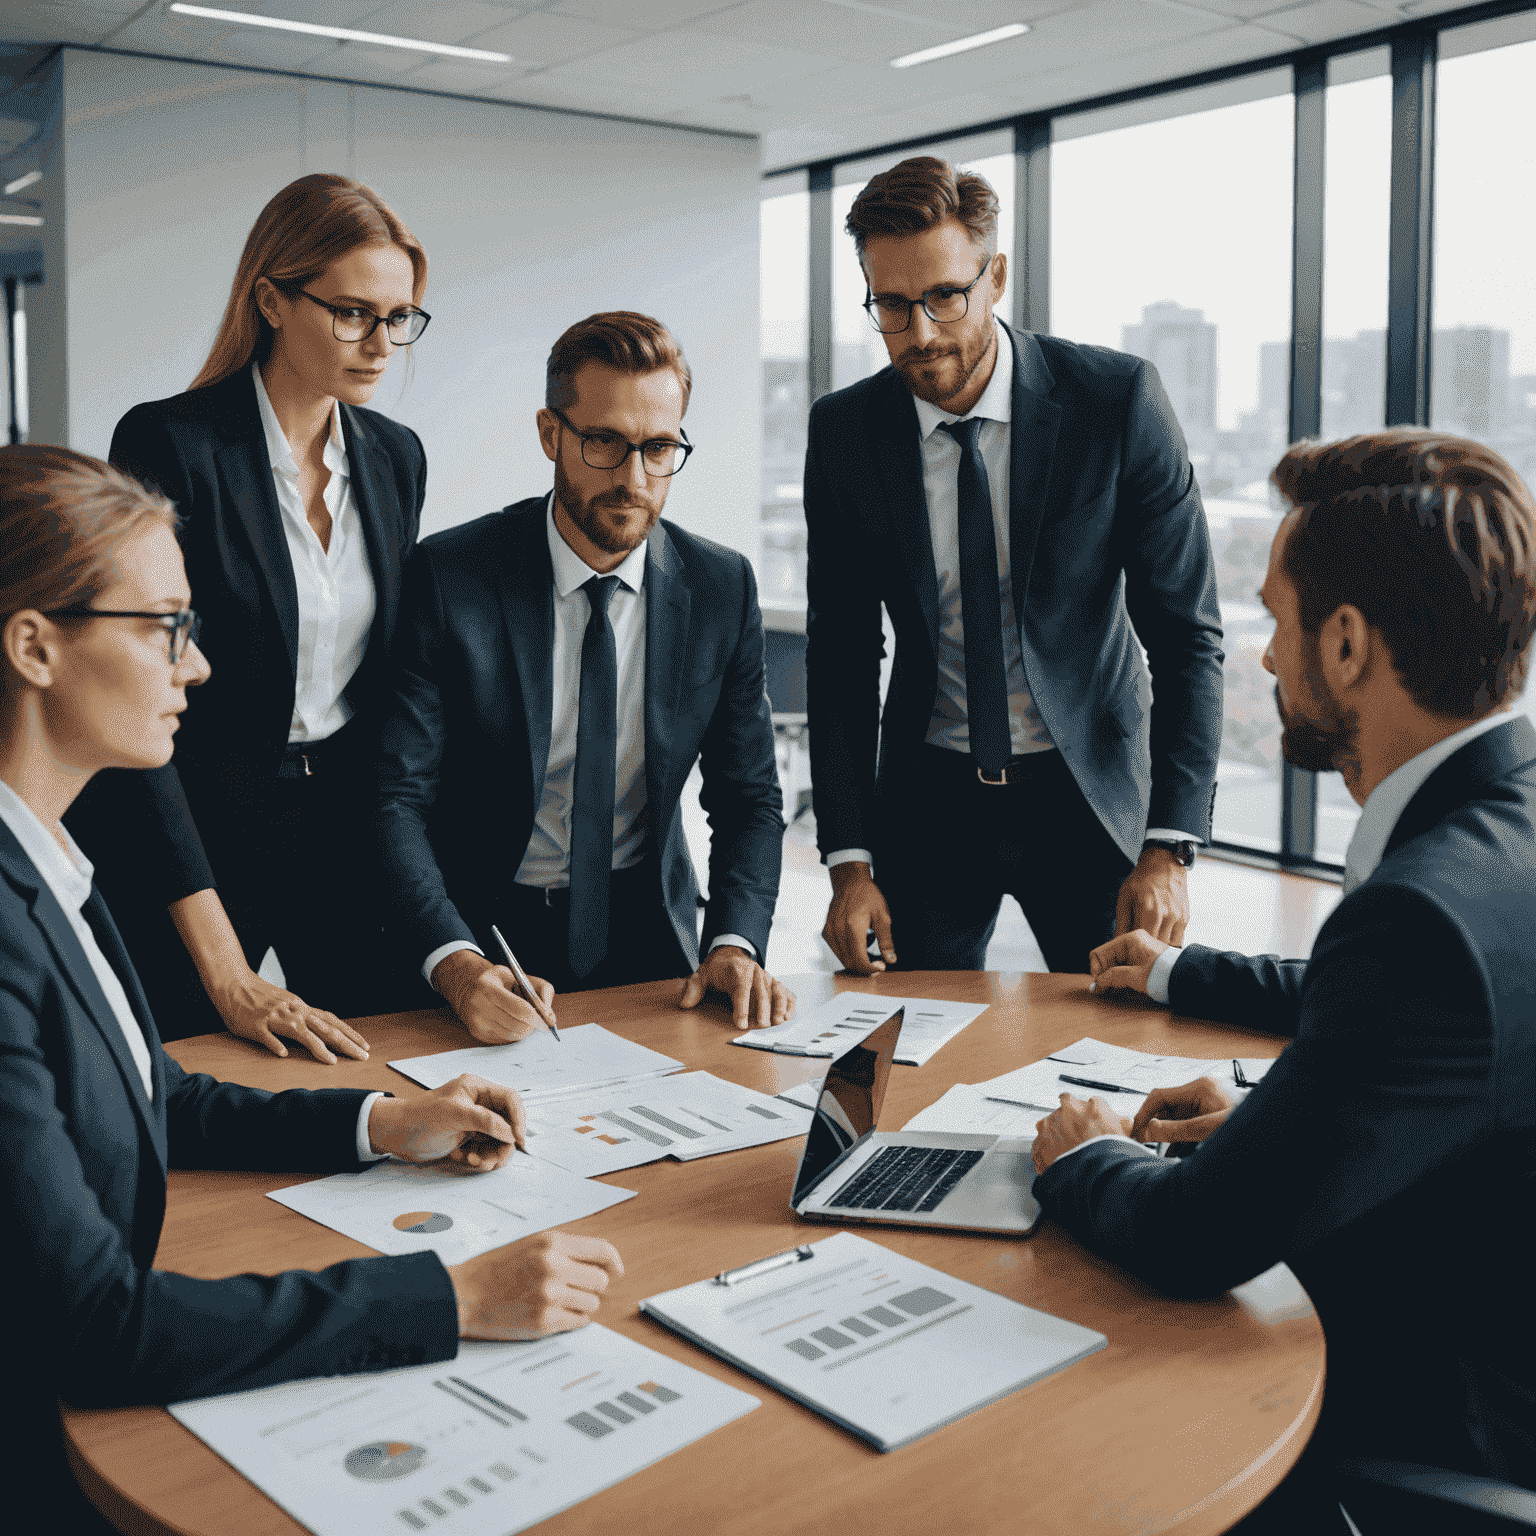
(500, 1438)
(831, 1027)
(966, 1109)
(877, 1342)
(456, 1212)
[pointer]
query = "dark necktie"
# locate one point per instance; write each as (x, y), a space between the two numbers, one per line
(597, 745)
(981, 607)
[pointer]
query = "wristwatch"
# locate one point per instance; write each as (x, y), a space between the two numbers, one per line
(1182, 849)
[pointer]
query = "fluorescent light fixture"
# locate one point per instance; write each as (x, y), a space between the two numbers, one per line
(23, 181)
(342, 34)
(926, 55)
(20, 218)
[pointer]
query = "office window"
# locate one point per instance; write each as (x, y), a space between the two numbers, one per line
(858, 350)
(1171, 239)
(1356, 218)
(784, 283)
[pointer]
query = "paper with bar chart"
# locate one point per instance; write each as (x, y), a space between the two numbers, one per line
(540, 1067)
(966, 1109)
(885, 1346)
(694, 1114)
(831, 1027)
(489, 1443)
(456, 1212)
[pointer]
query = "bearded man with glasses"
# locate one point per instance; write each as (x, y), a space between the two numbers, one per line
(563, 665)
(1025, 511)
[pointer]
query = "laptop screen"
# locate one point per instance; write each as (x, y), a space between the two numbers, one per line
(850, 1101)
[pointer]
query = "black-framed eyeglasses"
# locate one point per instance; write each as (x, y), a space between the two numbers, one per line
(183, 626)
(351, 323)
(890, 314)
(607, 450)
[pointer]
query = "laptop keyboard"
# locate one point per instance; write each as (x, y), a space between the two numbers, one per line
(905, 1179)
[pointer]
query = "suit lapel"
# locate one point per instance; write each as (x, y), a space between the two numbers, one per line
(1032, 449)
(527, 594)
(900, 461)
(378, 509)
(667, 606)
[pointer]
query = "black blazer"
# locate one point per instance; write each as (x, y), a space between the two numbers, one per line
(85, 1155)
(1389, 1157)
(1106, 532)
(206, 451)
(463, 756)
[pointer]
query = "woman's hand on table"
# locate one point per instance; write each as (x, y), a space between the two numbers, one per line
(1187, 1113)
(548, 1283)
(257, 1010)
(468, 1121)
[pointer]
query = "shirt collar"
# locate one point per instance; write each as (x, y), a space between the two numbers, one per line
(996, 403)
(68, 875)
(1386, 803)
(572, 572)
(280, 453)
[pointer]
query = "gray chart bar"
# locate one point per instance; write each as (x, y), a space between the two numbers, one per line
(655, 1138)
(589, 1425)
(671, 1125)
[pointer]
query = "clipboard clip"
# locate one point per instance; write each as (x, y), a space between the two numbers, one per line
(763, 1266)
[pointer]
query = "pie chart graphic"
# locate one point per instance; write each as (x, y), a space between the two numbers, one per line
(422, 1221)
(381, 1460)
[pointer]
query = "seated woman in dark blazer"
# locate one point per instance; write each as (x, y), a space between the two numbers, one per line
(97, 649)
(298, 509)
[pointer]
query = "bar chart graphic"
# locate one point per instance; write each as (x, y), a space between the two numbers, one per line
(612, 1415)
(850, 1330)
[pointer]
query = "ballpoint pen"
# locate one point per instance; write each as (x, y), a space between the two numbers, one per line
(524, 983)
(1088, 1082)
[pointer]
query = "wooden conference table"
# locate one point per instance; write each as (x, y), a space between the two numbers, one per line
(1194, 1412)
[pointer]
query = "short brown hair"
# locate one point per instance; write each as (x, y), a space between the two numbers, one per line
(63, 516)
(922, 192)
(1433, 538)
(619, 339)
(309, 224)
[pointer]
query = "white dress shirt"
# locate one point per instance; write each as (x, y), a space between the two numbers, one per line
(941, 477)
(547, 859)
(335, 585)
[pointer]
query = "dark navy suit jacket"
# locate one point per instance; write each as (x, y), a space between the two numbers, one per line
(464, 755)
(85, 1155)
(1389, 1156)
(1106, 532)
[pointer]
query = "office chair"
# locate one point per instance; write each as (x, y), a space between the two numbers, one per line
(1403, 1498)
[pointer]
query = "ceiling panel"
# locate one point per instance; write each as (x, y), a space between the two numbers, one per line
(544, 38)
(445, 21)
(654, 13)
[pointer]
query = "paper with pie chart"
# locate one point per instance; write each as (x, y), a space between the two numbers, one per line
(401, 1208)
(489, 1443)
(694, 1114)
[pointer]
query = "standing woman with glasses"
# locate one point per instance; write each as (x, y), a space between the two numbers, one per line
(298, 508)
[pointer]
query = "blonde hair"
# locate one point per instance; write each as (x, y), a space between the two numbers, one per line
(309, 224)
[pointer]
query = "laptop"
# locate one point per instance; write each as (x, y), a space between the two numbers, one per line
(850, 1172)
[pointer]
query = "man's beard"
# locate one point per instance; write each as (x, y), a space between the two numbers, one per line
(1323, 743)
(588, 515)
(932, 390)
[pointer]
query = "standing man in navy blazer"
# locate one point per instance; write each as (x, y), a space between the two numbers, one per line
(1389, 1155)
(1017, 503)
(563, 664)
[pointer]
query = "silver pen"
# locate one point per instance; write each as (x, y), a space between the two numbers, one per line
(763, 1266)
(523, 982)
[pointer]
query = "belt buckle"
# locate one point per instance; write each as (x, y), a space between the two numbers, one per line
(309, 772)
(999, 782)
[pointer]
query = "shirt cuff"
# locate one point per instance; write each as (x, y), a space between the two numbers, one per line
(1107, 1136)
(737, 940)
(441, 953)
(849, 856)
(365, 1152)
(1171, 835)
(1162, 970)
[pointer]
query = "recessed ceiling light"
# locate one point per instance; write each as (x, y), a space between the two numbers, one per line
(23, 181)
(20, 218)
(343, 34)
(943, 51)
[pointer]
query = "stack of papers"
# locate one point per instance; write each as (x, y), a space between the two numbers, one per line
(831, 1027)
(487, 1444)
(541, 1068)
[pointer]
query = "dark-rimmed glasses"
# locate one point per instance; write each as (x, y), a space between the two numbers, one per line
(183, 626)
(890, 314)
(607, 450)
(349, 323)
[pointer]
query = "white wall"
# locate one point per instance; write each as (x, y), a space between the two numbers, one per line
(531, 221)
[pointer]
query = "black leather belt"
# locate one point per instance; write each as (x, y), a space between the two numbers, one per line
(1015, 771)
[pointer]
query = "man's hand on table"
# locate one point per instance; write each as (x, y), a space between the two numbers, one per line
(1125, 962)
(548, 1283)
(468, 1121)
(857, 907)
(1187, 1113)
(487, 1000)
(757, 999)
(1073, 1124)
